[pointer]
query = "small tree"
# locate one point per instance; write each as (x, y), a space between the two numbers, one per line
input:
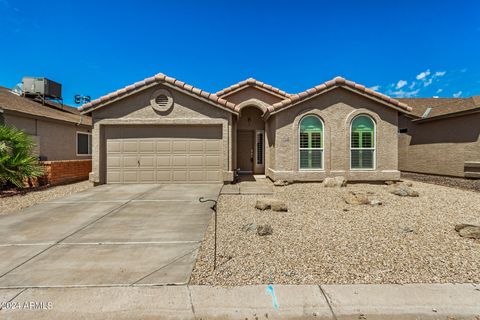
(16, 160)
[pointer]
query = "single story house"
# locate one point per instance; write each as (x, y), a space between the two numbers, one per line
(163, 130)
(441, 136)
(62, 134)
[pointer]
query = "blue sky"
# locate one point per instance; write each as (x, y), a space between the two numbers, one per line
(401, 48)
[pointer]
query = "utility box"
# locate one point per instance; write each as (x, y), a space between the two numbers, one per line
(42, 87)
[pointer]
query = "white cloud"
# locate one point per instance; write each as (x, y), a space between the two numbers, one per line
(401, 84)
(458, 94)
(439, 90)
(436, 97)
(427, 82)
(440, 73)
(375, 88)
(412, 85)
(423, 74)
(403, 94)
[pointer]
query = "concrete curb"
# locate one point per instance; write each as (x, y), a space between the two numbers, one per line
(413, 301)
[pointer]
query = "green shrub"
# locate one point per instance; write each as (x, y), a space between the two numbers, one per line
(17, 163)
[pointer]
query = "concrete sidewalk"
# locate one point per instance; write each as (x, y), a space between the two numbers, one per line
(415, 301)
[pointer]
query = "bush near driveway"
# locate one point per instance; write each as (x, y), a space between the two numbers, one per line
(17, 163)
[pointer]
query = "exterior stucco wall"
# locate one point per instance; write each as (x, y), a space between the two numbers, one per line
(439, 147)
(337, 109)
(56, 140)
(136, 110)
(252, 93)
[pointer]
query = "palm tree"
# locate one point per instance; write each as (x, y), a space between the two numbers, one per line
(16, 160)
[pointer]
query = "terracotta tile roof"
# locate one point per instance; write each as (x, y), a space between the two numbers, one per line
(158, 78)
(440, 106)
(338, 82)
(252, 83)
(52, 110)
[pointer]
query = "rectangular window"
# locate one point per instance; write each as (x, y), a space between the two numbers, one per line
(363, 151)
(311, 150)
(260, 147)
(84, 144)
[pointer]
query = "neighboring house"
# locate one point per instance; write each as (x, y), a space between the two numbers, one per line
(441, 136)
(164, 130)
(61, 133)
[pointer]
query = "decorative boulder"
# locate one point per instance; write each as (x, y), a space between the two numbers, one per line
(334, 182)
(270, 203)
(356, 198)
(252, 226)
(264, 230)
(468, 231)
(404, 191)
(389, 182)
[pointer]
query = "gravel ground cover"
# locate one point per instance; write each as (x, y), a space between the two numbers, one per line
(460, 183)
(321, 239)
(21, 201)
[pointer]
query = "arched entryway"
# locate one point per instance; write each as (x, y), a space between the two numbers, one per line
(250, 141)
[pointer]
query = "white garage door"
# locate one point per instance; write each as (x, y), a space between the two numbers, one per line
(163, 154)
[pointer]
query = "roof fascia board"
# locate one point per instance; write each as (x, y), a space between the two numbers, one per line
(147, 86)
(448, 115)
(44, 118)
(254, 86)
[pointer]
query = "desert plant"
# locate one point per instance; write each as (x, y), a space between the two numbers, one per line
(17, 163)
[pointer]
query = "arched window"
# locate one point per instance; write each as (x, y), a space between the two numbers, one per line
(311, 143)
(362, 145)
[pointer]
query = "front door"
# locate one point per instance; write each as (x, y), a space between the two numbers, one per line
(245, 150)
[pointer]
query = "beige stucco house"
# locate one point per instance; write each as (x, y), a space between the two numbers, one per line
(62, 135)
(163, 130)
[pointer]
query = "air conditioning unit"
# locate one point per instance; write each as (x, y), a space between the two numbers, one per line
(42, 87)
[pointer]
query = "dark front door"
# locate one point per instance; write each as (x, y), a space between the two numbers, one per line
(245, 151)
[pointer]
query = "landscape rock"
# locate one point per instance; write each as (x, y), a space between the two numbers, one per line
(337, 182)
(389, 182)
(281, 183)
(376, 202)
(264, 230)
(468, 231)
(252, 226)
(356, 198)
(404, 191)
(270, 203)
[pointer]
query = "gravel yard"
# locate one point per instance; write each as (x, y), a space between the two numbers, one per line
(460, 183)
(321, 239)
(21, 201)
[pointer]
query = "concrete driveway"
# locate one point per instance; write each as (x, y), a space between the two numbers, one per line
(108, 235)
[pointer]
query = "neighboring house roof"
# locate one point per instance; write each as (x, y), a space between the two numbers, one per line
(159, 78)
(440, 106)
(251, 82)
(338, 82)
(52, 110)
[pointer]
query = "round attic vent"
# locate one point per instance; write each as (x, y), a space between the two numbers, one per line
(161, 100)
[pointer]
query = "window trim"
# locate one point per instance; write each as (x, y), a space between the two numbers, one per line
(256, 147)
(322, 169)
(76, 144)
(374, 143)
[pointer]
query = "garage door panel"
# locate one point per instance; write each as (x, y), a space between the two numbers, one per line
(164, 176)
(114, 161)
(130, 146)
(164, 147)
(180, 176)
(147, 147)
(179, 146)
(179, 160)
(177, 155)
(130, 162)
(147, 176)
(147, 161)
(130, 176)
(114, 146)
(114, 176)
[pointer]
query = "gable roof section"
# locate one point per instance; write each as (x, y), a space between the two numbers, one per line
(148, 82)
(51, 110)
(440, 106)
(251, 82)
(293, 99)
